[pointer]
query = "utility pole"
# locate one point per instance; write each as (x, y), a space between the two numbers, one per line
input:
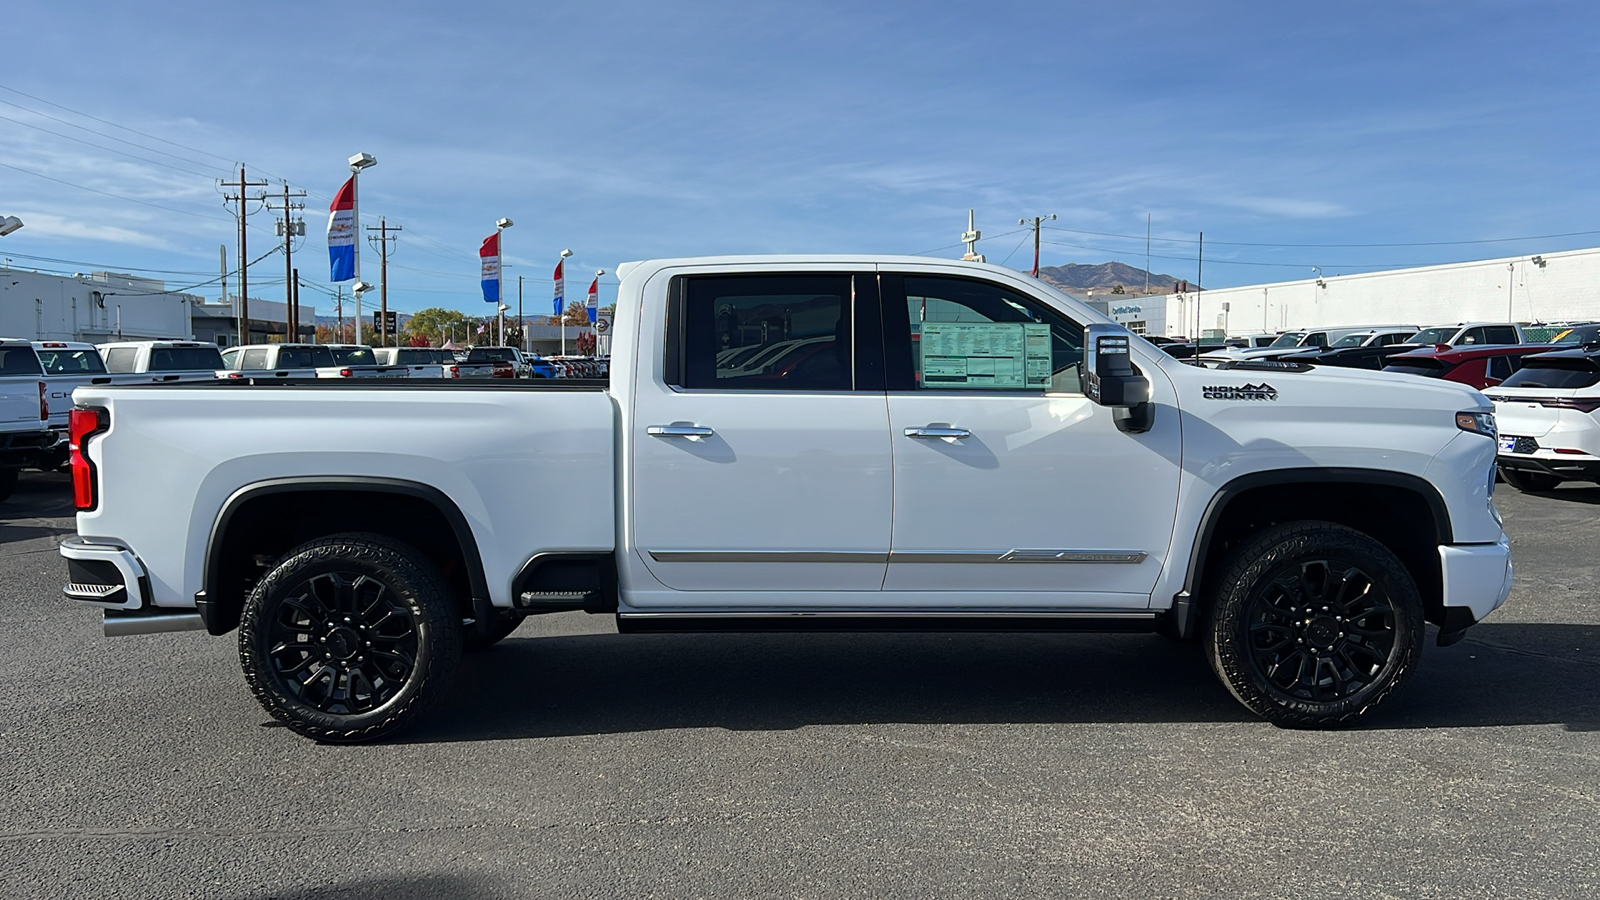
(1199, 286)
(294, 298)
(289, 228)
(243, 184)
(519, 316)
(338, 315)
(1038, 221)
(382, 244)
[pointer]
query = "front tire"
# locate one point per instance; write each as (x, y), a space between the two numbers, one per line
(1313, 625)
(1530, 482)
(349, 638)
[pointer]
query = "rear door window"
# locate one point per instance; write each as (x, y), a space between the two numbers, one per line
(791, 333)
(254, 358)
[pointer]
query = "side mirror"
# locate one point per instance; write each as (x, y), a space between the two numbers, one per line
(1113, 381)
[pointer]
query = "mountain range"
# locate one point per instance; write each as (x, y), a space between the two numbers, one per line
(1106, 276)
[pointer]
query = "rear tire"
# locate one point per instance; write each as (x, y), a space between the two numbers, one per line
(1530, 482)
(349, 638)
(1313, 625)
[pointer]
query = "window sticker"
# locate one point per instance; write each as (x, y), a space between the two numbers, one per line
(985, 356)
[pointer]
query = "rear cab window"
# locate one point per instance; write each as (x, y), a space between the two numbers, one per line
(185, 359)
(20, 360)
(72, 362)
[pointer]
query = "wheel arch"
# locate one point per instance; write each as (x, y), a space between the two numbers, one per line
(221, 598)
(1404, 512)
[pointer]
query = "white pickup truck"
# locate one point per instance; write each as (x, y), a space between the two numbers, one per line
(25, 435)
(961, 448)
(305, 361)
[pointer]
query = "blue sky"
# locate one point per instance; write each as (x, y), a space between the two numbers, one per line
(634, 130)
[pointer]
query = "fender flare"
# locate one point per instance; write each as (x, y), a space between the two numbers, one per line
(219, 620)
(1231, 491)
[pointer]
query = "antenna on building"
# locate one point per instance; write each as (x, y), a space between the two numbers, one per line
(970, 238)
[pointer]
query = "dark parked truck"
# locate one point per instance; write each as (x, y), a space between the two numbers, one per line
(929, 445)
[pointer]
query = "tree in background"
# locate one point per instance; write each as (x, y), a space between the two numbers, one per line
(417, 339)
(576, 314)
(586, 343)
(438, 325)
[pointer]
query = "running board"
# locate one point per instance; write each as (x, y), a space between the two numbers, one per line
(123, 624)
(879, 621)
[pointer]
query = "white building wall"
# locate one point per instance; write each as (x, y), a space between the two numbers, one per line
(1562, 286)
(94, 308)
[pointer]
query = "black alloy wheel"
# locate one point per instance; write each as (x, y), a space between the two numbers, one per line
(349, 638)
(1321, 631)
(1313, 624)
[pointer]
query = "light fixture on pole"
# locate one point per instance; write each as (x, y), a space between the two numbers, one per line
(360, 287)
(357, 163)
(9, 224)
(500, 226)
(1320, 282)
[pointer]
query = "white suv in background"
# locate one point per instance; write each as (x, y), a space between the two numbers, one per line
(1546, 413)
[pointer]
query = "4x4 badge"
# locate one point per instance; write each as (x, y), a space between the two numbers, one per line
(1262, 391)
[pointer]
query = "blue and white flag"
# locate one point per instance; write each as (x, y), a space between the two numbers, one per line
(342, 233)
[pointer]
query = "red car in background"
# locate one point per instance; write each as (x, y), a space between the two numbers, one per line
(1478, 365)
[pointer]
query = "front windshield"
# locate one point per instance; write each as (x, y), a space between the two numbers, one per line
(1433, 335)
(1288, 339)
(1352, 340)
(1586, 335)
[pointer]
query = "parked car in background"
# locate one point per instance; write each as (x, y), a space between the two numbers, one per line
(304, 361)
(24, 412)
(420, 362)
(162, 361)
(1469, 333)
(493, 362)
(1478, 366)
(1546, 413)
(539, 367)
(67, 365)
(1286, 343)
(1577, 334)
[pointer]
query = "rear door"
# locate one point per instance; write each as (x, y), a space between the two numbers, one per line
(764, 485)
(20, 377)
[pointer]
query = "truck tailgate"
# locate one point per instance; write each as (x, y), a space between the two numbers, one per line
(528, 469)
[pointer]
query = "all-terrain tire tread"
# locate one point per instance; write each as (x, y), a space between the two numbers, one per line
(1264, 552)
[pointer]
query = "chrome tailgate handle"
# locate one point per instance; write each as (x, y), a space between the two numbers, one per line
(687, 431)
(929, 431)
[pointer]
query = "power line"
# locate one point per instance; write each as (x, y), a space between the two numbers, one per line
(101, 134)
(91, 190)
(1531, 237)
(114, 125)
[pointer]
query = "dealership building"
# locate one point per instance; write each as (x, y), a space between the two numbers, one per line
(1540, 288)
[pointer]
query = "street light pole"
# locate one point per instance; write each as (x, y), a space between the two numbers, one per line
(500, 276)
(357, 163)
(519, 316)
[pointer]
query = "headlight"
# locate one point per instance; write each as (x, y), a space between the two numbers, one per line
(1477, 423)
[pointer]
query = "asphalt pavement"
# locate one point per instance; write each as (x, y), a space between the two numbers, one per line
(576, 762)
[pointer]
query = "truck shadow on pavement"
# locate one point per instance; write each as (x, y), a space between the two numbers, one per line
(1513, 674)
(39, 497)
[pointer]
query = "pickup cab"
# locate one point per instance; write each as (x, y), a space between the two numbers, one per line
(493, 362)
(25, 434)
(305, 361)
(961, 448)
(161, 361)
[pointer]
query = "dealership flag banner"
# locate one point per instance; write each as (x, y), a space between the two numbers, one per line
(489, 255)
(342, 233)
(594, 299)
(561, 286)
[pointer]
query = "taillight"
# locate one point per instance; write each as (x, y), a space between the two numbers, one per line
(1581, 404)
(82, 425)
(455, 371)
(44, 402)
(344, 373)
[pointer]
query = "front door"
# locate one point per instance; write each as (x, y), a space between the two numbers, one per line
(761, 455)
(1011, 488)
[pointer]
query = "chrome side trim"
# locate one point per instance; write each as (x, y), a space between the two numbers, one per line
(121, 627)
(91, 592)
(1023, 556)
(768, 556)
(850, 556)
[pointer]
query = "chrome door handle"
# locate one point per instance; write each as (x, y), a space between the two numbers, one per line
(932, 432)
(688, 431)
